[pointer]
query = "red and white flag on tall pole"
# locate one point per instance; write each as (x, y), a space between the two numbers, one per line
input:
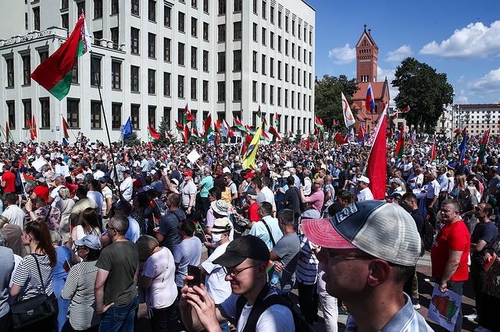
(376, 168)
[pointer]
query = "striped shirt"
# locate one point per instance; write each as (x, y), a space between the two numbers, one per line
(405, 320)
(28, 278)
(79, 288)
(307, 265)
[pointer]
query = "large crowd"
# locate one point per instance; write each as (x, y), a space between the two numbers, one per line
(99, 230)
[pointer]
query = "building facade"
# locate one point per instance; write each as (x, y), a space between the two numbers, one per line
(151, 58)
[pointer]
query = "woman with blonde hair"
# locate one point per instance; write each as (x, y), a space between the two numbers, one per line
(65, 205)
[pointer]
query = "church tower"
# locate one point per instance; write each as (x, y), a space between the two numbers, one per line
(366, 58)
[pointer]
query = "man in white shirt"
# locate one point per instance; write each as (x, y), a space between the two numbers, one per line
(188, 193)
(268, 229)
(364, 193)
(127, 185)
(13, 212)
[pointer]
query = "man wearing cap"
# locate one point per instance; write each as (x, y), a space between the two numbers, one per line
(251, 205)
(367, 261)
(245, 261)
(41, 190)
(364, 191)
(188, 192)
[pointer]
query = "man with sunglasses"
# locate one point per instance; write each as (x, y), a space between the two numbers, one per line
(245, 261)
(369, 250)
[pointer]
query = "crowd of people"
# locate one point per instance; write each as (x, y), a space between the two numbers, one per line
(206, 244)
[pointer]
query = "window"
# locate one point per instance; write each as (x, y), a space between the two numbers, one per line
(271, 14)
(181, 22)
(293, 50)
(221, 91)
(27, 111)
(80, 7)
(254, 91)
(134, 115)
(194, 27)
(254, 6)
(279, 96)
(11, 109)
(73, 109)
(152, 115)
(293, 99)
(10, 72)
(97, 37)
(264, 13)
(114, 7)
(237, 60)
(264, 36)
(194, 57)
(134, 45)
(65, 21)
(152, 10)
(64, 4)
(166, 116)
(194, 88)
(254, 61)
(222, 7)
(97, 9)
(298, 76)
(135, 8)
(298, 30)
(205, 31)
(254, 32)
(286, 23)
(74, 73)
(116, 74)
(221, 33)
(286, 47)
(95, 71)
(26, 58)
(151, 45)
(286, 72)
(134, 78)
(95, 114)
(205, 90)
(271, 40)
(237, 90)
(293, 27)
(271, 67)
(221, 61)
(166, 49)
(180, 86)
(237, 30)
(263, 64)
(238, 6)
(293, 75)
(279, 19)
(271, 95)
(263, 93)
(205, 6)
(279, 44)
(286, 97)
(167, 12)
(298, 100)
(45, 112)
(116, 116)
(205, 60)
(114, 37)
(43, 55)
(151, 81)
(36, 18)
(194, 4)
(166, 84)
(180, 55)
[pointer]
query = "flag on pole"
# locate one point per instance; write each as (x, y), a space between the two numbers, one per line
(376, 169)
(277, 120)
(361, 132)
(207, 126)
(29, 125)
(186, 134)
(7, 131)
(346, 110)
(239, 124)
(433, 151)
(127, 129)
(462, 147)
(251, 152)
(370, 100)
(65, 128)
(54, 74)
(33, 125)
(482, 147)
(274, 132)
(319, 123)
(400, 147)
(179, 125)
(188, 116)
(153, 134)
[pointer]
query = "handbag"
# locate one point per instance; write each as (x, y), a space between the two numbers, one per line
(32, 310)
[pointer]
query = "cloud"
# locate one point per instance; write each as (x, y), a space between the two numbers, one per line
(488, 84)
(400, 54)
(342, 55)
(476, 40)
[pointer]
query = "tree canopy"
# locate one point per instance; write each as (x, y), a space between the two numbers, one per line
(424, 90)
(328, 99)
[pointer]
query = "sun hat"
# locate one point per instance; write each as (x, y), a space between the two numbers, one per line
(383, 230)
(220, 207)
(242, 248)
(222, 225)
(363, 178)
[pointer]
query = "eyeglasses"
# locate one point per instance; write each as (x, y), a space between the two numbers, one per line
(109, 227)
(234, 272)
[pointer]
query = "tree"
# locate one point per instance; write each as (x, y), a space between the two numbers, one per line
(424, 90)
(162, 130)
(328, 99)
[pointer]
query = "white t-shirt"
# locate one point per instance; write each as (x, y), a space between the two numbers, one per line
(365, 195)
(218, 288)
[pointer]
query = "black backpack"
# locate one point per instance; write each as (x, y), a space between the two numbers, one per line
(261, 305)
(428, 234)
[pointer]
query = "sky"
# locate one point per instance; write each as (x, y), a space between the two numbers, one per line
(458, 38)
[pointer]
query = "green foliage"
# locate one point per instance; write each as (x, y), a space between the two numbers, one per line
(328, 99)
(424, 90)
(132, 140)
(162, 130)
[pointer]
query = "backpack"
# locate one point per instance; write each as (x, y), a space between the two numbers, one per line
(261, 305)
(428, 234)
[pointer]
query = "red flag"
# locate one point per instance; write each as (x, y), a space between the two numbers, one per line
(308, 143)
(273, 132)
(33, 124)
(244, 147)
(339, 139)
(188, 116)
(187, 132)
(65, 128)
(400, 147)
(179, 125)
(30, 128)
(207, 126)
(377, 161)
(153, 133)
(7, 131)
(361, 133)
(433, 151)
(405, 109)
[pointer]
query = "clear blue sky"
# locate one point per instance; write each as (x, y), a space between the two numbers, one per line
(458, 38)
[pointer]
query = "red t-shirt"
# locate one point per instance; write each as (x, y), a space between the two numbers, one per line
(253, 212)
(10, 182)
(455, 237)
(43, 192)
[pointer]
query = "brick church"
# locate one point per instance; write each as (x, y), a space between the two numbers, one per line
(366, 72)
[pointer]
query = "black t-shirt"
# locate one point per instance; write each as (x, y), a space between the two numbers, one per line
(419, 221)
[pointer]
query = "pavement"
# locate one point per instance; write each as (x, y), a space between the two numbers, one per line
(425, 286)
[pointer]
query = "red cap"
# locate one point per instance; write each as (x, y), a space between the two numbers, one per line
(188, 173)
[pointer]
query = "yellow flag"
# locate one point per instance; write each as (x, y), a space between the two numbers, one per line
(249, 158)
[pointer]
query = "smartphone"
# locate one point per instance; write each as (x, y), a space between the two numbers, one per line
(195, 272)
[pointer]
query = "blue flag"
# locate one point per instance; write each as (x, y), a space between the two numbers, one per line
(127, 129)
(461, 148)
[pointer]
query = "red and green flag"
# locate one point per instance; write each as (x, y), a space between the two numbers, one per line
(482, 147)
(179, 125)
(55, 73)
(33, 127)
(405, 109)
(207, 126)
(433, 151)
(153, 134)
(239, 124)
(65, 128)
(277, 120)
(188, 116)
(319, 123)
(400, 147)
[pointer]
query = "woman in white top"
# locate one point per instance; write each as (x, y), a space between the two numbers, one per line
(90, 225)
(65, 204)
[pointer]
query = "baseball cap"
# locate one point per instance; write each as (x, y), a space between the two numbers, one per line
(380, 229)
(363, 178)
(222, 225)
(90, 241)
(242, 248)
(249, 175)
(41, 180)
(188, 173)
(396, 195)
(396, 181)
(251, 192)
(220, 207)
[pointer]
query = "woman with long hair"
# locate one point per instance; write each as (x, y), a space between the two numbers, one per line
(65, 205)
(26, 280)
(90, 225)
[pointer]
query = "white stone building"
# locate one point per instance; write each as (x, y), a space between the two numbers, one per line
(152, 58)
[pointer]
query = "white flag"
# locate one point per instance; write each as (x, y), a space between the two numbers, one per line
(346, 110)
